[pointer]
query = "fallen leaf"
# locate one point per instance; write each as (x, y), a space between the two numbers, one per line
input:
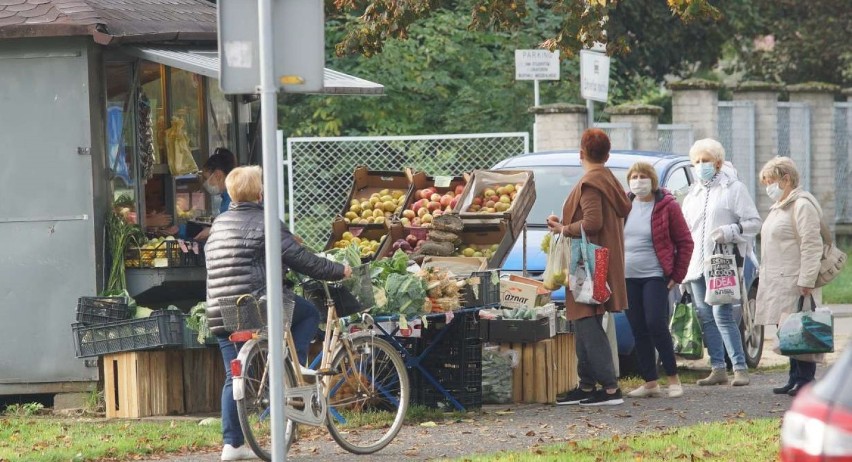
(504, 412)
(429, 424)
(530, 433)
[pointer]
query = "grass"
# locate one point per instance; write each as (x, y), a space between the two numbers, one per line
(840, 289)
(740, 440)
(77, 440)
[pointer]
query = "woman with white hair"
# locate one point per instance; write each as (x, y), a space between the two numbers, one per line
(719, 212)
(790, 251)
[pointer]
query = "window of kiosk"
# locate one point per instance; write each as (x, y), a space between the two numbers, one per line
(120, 140)
(220, 128)
(152, 119)
(186, 111)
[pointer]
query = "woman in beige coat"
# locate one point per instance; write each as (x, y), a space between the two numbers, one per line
(790, 252)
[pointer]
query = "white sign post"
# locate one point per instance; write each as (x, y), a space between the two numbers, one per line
(594, 80)
(536, 65)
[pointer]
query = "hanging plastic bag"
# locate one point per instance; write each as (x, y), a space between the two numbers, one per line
(179, 155)
(723, 280)
(686, 329)
(558, 259)
(588, 271)
(805, 332)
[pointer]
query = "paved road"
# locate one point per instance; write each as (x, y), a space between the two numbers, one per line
(518, 427)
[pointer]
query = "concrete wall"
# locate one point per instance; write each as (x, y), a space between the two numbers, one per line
(695, 102)
(766, 135)
(559, 126)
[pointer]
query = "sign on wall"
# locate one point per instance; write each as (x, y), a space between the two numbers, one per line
(536, 65)
(594, 76)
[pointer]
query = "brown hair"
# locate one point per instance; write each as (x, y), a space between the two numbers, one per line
(647, 170)
(595, 143)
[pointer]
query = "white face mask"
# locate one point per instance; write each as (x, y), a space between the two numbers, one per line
(641, 187)
(211, 188)
(774, 192)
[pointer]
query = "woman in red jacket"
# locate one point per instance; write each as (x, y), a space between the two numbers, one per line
(657, 249)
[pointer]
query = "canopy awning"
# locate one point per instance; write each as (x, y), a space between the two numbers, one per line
(206, 63)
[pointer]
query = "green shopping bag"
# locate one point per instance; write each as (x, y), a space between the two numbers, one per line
(686, 329)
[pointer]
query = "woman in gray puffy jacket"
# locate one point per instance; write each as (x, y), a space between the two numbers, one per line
(236, 259)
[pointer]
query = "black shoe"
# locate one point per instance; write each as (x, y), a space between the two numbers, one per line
(602, 398)
(782, 390)
(575, 396)
(795, 389)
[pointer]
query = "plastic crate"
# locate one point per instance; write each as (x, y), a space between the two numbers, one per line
(482, 290)
(190, 340)
(463, 327)
(412, 346)
(100, 310)
(167, 254)
(162, 329)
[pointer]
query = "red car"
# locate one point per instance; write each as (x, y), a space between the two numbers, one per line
(818, 428)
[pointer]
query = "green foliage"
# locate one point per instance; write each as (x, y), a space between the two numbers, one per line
(23, 409)
(840, 290)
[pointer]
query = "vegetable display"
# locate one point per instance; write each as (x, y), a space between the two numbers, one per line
(120, 234)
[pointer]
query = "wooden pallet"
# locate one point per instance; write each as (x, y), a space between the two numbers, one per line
(164, 382)
(547, 368)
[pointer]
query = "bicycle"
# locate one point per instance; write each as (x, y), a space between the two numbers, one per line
(361, 380)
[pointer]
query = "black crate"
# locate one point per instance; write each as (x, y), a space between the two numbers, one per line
(413, 348)
(485, 293)
(100, 310)
(168, 254)
(190, 340)
(162, 329)
(469, 398)
(464, 326)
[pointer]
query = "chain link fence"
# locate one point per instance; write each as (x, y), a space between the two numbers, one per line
(620, 134)
(736, 133)
(843, 151)
(675, 138)
(322, 167)
(794, 137)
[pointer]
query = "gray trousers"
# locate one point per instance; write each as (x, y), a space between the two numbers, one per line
(594, 356)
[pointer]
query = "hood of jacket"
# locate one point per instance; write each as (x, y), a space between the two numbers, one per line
(602, 179)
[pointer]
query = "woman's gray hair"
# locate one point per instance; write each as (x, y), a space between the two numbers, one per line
(776, 168)
(707, 146)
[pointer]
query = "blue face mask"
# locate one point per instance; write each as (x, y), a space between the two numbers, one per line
(705, 171)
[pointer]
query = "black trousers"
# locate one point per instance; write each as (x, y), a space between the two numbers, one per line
(648, 315)
(594, 356)
(801, 372)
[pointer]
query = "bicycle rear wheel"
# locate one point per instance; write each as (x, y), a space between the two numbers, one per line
(254, 409)
(367, 395)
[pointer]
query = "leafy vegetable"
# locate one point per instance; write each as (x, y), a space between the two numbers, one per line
(381, 269)
(197, 321)
(119, 234)
(405, 293)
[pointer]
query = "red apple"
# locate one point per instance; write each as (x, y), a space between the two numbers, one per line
(459, 189)
(435, 197)
(494, 198)
(477, 201)
(412, 239)
(434, 206)
(454, 201)
(445, 200)
(424, 193)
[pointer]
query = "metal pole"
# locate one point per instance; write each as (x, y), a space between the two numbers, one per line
(590, 113)
(290, 192)
(536, 102)
(272, 228)
(536, 92)
(279, 161)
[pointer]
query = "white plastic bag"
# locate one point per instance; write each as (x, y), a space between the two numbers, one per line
(723, 280)
(558, 260)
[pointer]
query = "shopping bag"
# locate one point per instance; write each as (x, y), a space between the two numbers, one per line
(807, 331)
(588, 271)
(686, 329)
(558, 258)
(178, 152)
(723, 281)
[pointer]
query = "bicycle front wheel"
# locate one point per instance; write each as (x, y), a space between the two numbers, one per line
(367, 395)
(254, 409)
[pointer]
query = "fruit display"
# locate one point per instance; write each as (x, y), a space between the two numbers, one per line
(495, 199)
(375, 209)
(429, 204)
(368, 247)
(477, 250)
(164, 249)
(409, 244)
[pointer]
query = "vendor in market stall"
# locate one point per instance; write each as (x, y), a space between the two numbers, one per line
(214, 172)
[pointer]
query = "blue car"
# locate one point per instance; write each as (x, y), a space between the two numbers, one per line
(555, 175)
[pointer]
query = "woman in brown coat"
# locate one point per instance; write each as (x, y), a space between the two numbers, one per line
(599, 204)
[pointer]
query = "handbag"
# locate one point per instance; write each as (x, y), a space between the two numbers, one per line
(722, 276)
(807, 331)
(588, 271)
(686, 329)
(833, 260)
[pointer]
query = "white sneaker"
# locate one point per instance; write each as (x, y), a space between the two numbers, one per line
(241, 453)
(675, 390)
(644, 392)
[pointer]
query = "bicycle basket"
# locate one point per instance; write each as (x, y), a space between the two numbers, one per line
(244, 312)
(350, 296)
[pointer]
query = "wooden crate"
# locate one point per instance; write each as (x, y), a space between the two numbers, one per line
(164, 382)
(547, 368)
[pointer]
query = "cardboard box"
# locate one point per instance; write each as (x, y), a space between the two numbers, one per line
(517, 291)
(460, 266)
(515, 330)
(366, 182)
(516, 215)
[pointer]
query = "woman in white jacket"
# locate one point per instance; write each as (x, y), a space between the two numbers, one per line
(790, 252)
(719, 211)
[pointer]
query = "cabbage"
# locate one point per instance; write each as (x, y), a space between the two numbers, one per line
(405, 293)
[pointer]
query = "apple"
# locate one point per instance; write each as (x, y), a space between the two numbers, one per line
(416, 221)
(490, 204)
(505, 199)
(412, 239)
(405, 221)
(489, 192)
(435, 197)
(459, 190)
(477, 201)
(434, 206)
(422, 211)
(494, 198)
(501, 190)
(510, 188)
(454, 201)
(427, 218)
(409, 214)
(446, 200)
